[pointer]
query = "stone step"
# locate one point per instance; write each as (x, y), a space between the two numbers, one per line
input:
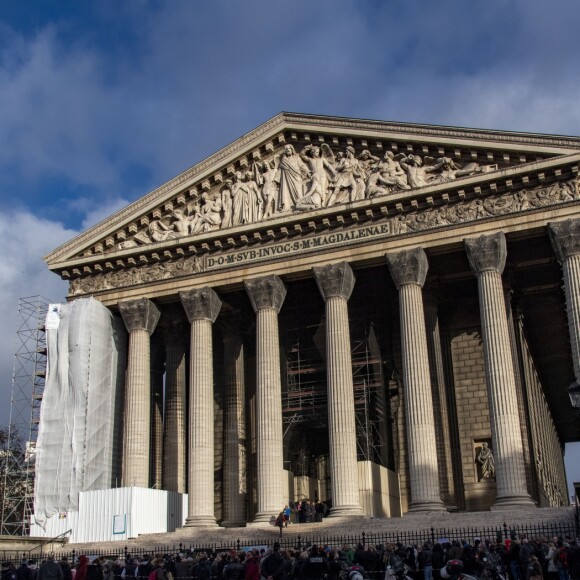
(471, 524)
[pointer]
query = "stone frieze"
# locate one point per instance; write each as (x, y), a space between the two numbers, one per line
(448, 214)
(313, 178)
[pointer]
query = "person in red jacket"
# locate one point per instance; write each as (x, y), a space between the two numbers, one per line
(82, 568)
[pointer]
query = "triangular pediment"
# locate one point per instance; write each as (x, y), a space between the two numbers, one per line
(294, 167)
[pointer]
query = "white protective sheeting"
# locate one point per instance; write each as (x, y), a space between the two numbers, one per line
(78, 446)
(118, 514)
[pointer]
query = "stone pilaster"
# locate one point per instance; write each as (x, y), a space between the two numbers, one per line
(335, 283)
(267, 295)
(140, 317)
(202, 307)
(409, 269)
(235, 482)
(487, 255)
(565, 236)
(174, 435)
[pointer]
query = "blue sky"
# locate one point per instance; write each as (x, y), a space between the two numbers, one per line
(100, 102)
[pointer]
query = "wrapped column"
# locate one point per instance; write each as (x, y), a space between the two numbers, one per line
(335, 283)
(487, 256)
(202, 307)
(267, 295)
(140, 317)
(409, 269)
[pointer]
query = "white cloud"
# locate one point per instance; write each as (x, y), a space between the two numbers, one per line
(25, 238)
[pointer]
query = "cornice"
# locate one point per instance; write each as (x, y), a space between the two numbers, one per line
(290, 121)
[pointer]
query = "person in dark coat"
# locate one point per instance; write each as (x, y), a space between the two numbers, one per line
(50, 570)
(8, 572)
(574, 561)
(23, 572)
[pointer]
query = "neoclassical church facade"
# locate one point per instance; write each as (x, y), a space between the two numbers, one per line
(383, 316)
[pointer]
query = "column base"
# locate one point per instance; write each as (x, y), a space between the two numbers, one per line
(509, 502)
(264, 517)
(426, 506)
(345, 511)
(200, 522)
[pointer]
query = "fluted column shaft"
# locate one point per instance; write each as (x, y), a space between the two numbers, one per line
(565, 236)
(202, 307)
(571, 270)
(156, 451)
(487, 256)
(174, 436)
(408, 269)
(440, 405)
(267, 295)
(140, 317)
(336, 282)
(235, 428)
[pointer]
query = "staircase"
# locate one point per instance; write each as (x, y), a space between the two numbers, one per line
(352, 530)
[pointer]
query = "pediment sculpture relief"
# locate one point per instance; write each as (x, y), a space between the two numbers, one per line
(314, 178)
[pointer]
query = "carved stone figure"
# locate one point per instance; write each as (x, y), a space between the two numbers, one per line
(255, 204)
(211, 212)
(180, 223)
(269, 189)
(348, 185)
(412, 165)
(487, 462)
(392, 170)
(240, 194)
(159, 231)
(227, 206)
(379, 184)
(366, 163)
(290, 177)
(321, 169)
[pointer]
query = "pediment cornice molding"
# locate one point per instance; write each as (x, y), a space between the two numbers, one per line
(286, 123)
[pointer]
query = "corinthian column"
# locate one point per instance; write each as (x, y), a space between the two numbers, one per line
(235, 425)
(409, 269)
(267, 295)
(202, 307)
(565, 236)
(174, 433)
(335, 283)
(487, 255)
(140, 317)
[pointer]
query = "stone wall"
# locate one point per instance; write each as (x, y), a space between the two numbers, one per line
(472, 414)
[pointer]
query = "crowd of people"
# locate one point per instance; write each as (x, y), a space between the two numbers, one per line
(512, 559)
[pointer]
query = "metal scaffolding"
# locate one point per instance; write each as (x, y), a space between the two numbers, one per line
(18, 447)
(304, 396)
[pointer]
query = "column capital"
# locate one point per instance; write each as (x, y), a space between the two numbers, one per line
(334, 280)
(408, 267)
(486, 253)
(200, 304)
(140, 314)
(565, 238)
(266, 292)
